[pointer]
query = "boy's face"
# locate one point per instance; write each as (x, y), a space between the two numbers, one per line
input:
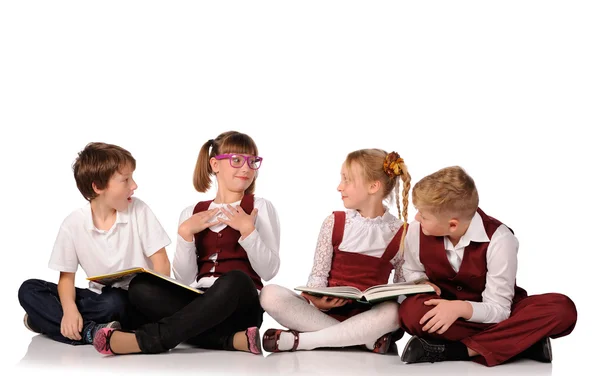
(434, 225)
(120, 188)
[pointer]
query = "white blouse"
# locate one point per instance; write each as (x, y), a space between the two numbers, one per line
(262, 245)
(368, 236)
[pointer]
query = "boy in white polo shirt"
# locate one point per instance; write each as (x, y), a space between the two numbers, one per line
(114, 231)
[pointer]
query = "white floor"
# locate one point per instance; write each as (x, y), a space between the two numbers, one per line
(58, 358)
(43, 353)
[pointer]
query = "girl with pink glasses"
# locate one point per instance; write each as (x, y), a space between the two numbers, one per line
(225, 248)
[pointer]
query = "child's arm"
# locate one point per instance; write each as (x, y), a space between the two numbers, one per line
(153, 237)
(64, 260)
(500, 279)
(185, 267)
(262, 244)
(259, 232)
(323, 255)
(412, 269)
(321, 268)
(160, 262)
(71, 324)
(497, 295)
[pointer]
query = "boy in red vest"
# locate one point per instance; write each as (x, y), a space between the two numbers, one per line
(471, 259)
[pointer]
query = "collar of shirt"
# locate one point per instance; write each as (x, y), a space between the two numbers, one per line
(387, 217)
(475, 233)
(122, 217)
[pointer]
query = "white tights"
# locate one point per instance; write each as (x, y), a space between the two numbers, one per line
(320, 330)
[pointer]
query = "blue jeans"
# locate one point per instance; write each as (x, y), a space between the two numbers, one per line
(41, 302)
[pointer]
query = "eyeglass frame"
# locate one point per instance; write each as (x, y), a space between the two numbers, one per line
(246, 157)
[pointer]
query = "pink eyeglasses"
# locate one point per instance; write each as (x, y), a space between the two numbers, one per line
(238, 160)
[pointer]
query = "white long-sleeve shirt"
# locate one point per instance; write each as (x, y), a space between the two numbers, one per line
(262, 245)
(501, 259)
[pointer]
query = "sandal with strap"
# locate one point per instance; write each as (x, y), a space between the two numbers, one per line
(271, 340)
(102, 341)
(253, 338)
(382, 345)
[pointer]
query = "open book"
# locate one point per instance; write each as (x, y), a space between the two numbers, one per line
(127, 274)
(372, 294)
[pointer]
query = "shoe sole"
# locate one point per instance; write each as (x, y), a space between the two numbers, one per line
(114, 325)
(27, 325)
(404, 352)
(548, 350)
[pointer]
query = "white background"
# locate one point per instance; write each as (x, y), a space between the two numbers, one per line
(507, 90)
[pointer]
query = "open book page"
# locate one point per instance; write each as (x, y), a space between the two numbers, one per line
(121, 275)
(392, 290)
(347, 292)
(372, 294)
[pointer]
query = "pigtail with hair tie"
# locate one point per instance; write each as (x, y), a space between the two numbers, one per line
(392, 165)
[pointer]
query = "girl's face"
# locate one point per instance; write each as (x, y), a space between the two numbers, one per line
(353, 188)
(233, 179)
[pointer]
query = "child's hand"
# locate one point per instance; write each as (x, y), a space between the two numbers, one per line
(196, 223)
(443, 315)
(238, 220)
(435, 288)
(325, 303)
(71, 324)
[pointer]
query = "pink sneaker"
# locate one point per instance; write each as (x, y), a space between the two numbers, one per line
(102, 341)
(253, 337)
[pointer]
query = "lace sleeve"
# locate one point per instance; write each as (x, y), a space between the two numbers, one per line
(398, 260)
(323, 255)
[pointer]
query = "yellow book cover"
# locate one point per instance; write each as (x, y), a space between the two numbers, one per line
(111, 278)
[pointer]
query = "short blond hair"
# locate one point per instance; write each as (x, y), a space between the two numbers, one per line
(449, 191)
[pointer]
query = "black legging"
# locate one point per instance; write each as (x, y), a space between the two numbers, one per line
(209, 320)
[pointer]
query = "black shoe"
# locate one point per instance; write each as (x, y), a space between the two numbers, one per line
(419, 350)
(540, 351)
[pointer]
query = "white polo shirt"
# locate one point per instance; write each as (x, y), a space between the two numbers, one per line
(134, 237)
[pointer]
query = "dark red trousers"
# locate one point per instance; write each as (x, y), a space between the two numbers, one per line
(531, 319)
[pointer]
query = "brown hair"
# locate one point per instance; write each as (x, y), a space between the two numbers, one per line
(227, 142)
(448, 191)
(96, 164)
(378, 165)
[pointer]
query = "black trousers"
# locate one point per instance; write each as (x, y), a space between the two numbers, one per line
(209, 320)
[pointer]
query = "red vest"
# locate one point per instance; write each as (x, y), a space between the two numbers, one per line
(355, 269)
(469, 282)
(230, 254)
